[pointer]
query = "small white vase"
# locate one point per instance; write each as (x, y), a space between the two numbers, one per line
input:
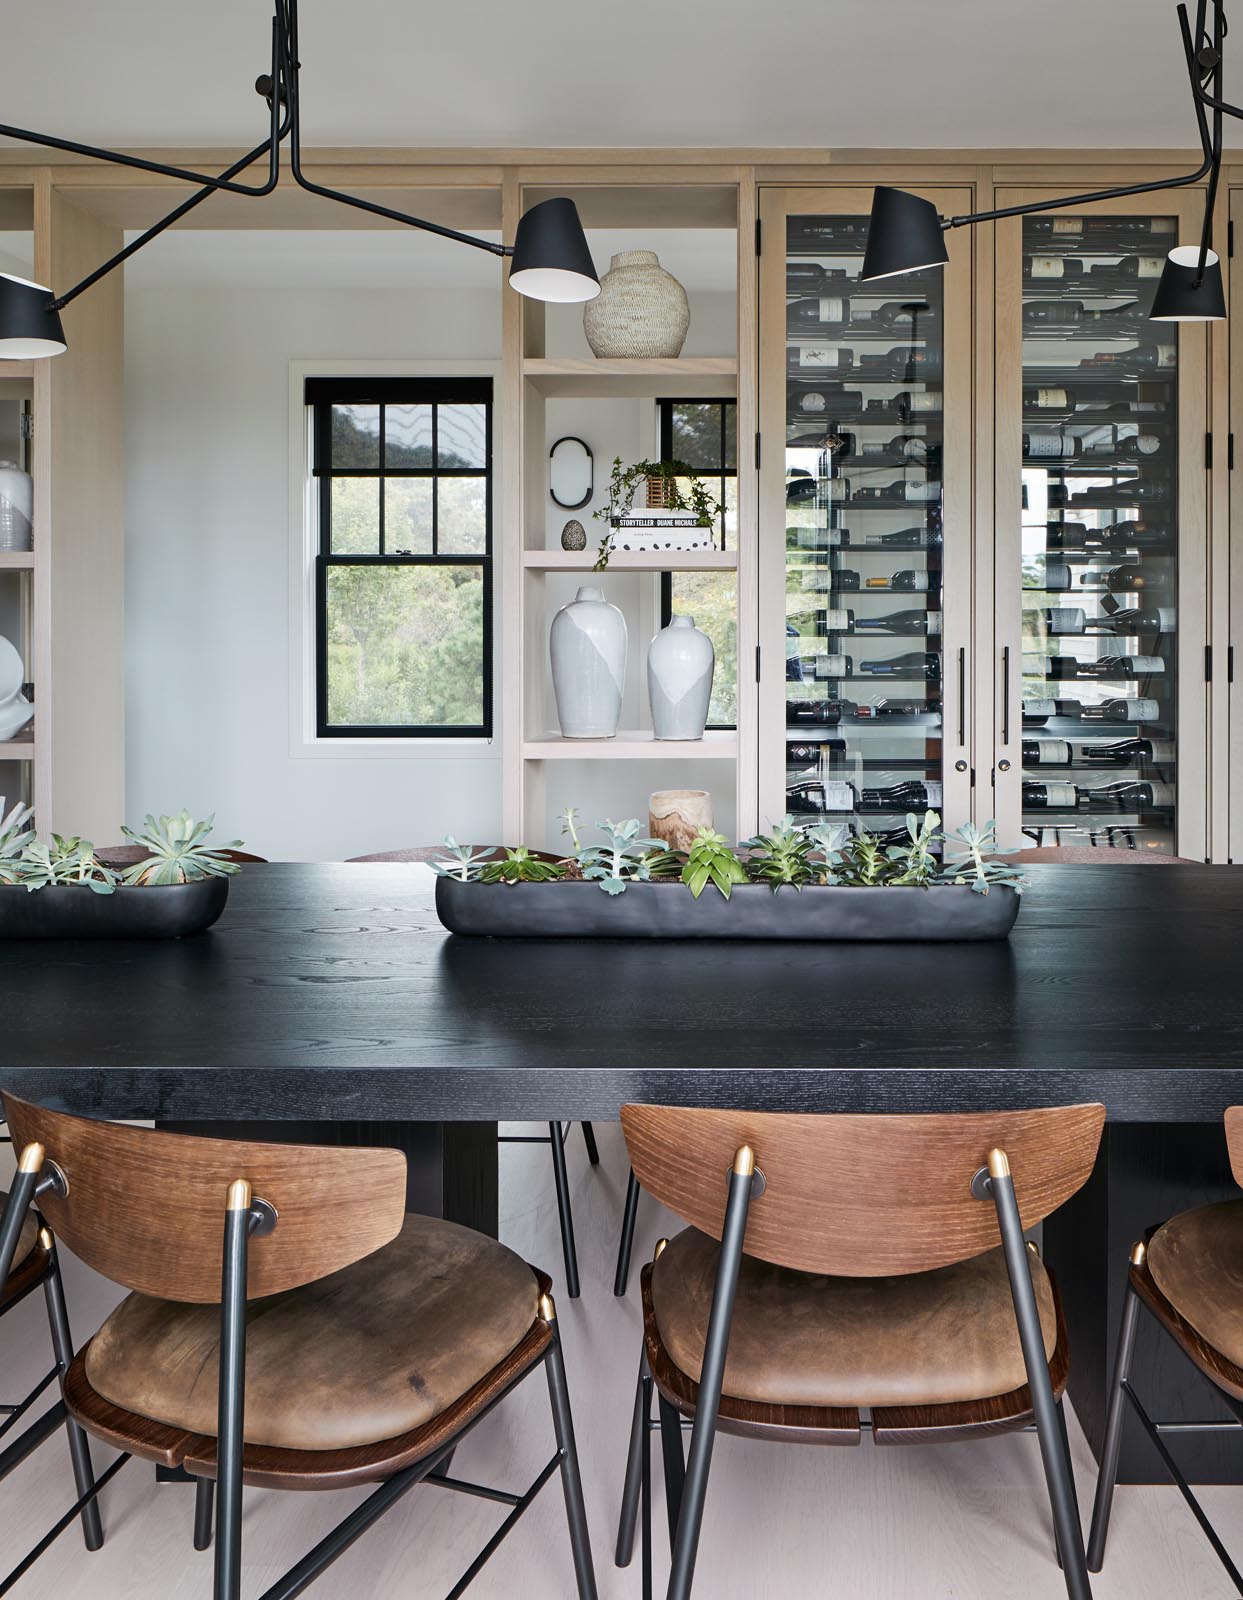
(16, 506)
(641, 310)
(680, 663)
(587, 646)
(15, 710)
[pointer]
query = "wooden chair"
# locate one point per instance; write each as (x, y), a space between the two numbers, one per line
(1100, 856)
(884, 1267)
(558, 1132)
(28, 1261)
(1185, 1274)
(383, 1338)
(125, 855)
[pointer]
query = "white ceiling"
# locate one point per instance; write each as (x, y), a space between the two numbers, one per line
(702, 258)
(848, 73)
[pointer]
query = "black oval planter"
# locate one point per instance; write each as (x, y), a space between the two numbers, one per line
(163, 911)
(578, 910)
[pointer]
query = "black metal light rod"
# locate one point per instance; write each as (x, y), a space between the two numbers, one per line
(1210, 198)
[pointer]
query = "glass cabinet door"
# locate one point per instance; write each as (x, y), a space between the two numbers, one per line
(1099, 723)
(857, 529)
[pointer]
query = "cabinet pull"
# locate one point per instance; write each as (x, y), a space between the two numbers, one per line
(962, 695)
(1005, 695)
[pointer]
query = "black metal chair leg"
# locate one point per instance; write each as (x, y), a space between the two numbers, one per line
(674, 1462)
(571, 1480)
(626, 1242)
(589, 1139)
(204, 1503)
(79, 1449)
(645, 1386)
(632, 1486)
(564, 1211)
(1112, 1449)
(1070, 1467)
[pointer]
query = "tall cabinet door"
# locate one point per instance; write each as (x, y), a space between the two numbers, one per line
(865, 521)
(1100, 732)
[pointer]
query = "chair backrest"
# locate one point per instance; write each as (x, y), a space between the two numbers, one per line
(127, 855)
(1234, 1141)
(861, 1196)
(1100, 856)
(147, 1208)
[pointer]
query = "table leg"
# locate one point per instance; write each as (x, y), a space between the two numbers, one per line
(1145, 1174)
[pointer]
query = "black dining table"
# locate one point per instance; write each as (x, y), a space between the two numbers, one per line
(329, 1003)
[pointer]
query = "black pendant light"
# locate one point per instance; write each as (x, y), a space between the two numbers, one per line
(551, 259)
(905, 234)
(29, 323)
(1184, 293)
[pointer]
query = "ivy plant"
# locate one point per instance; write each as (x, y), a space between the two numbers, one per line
(624, 481)
(711, 861)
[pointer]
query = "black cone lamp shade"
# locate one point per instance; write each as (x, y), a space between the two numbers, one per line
(1178, 299)
(904, 234)
(551, 260)
(29, 329)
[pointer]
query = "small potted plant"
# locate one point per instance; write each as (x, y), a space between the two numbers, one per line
(669, 486)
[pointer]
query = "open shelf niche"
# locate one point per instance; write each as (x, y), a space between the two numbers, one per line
(553, 386)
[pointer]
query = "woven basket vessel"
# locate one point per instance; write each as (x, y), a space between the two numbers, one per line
(641, 310)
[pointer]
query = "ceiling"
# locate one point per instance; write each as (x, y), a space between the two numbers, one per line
(849, 73)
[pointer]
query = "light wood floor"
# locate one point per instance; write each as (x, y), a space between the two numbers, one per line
(954, 1523)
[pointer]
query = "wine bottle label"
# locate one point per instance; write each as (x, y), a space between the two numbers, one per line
(936, 795)
(1166, 618)
(813, 402)
(1167, 355)
(818, 355)
(922, 491)
(1146, 444)
(1046, 267)
(925, 400)
(1138, 664)
(1162, 751)
(1142, 710)
(839, 796)
(1035, 666)
(834, 666)
(817, 538)
(1052, 752)
(1151, 266)
(1061, 796)
(875, 447)
(1162, 794)
(1052, 400)
(933, 624)
(917, 582)
(1040, 708)
(817, 581)
(832, 310)
(1066, 619)
(1067, 227)
(1056, 576)
(1043, 445)
(836, 621)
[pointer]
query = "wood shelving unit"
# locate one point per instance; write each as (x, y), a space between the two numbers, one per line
(583, 378)
(637, 744)
(17, 560)
(631, 561)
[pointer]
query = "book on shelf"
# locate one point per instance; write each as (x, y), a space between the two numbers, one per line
(654, 519)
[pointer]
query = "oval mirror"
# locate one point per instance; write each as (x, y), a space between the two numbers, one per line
(571, 473)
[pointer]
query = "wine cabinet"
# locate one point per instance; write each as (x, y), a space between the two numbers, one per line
(864, 555)
(1100, 574)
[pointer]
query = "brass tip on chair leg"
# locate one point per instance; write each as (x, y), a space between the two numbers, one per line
(744, 1161)
(239, 1195)
(546, 1309)
(46, 1240)
(31, 1158)
(661, 1246)
(1139, 1254)
(1033, 1248)
(998, 1164)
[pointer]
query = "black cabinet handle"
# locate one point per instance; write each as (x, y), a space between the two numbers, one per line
(1005, 695)
(962, 695)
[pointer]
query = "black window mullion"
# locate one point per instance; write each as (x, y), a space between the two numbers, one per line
(380, 484)
(435, 480)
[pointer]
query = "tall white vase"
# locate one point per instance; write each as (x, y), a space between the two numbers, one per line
(16, 506)
(680, 663)
(587, 645)
(15, 710)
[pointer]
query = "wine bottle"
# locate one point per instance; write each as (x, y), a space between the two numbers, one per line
(897, 313)
(1036, 712)
(1060, 619)
(915, 664)
(917, 538)
(928, 622)
(913, 403)
(888, 707)
(1054, 227)
(1141, 795)
(908, 446)
(815, 538)
(1098, 398)
(825, 311)
(904, 361)
(909, 579)
(1137, 444)
(1056, 578)
(819, 358)
(815, 401)
(913, 490)
(1072, 314)
(839, 228)
(1049, 796)
(1060, 667)
(1126, 577)
(1128, 267)
(1126, 752)
(1133, 620)
(804, 490)
(1123, 227)
(802, 277)
(838, 578)
(1046, 753)
(1053, 444)
(834, 621)
(826, 666)
(910, 796)
(1040, 269)
(819, 711)
(1126, 492)
(826, 750)
(1140, 356)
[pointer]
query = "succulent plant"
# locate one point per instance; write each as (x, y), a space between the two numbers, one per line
(980, 870)
(520, 866)
(916, 863)
(460, 861)
(779, 857)
(15, 837)
(623, 860)
(177, 852)
(712, 861)
(65, 862)
(569, 826)
(663, 864)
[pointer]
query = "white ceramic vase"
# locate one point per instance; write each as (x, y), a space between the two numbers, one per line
(15, 710)
(641, 310)
(16, 506)
(680, 663)
(587, 644)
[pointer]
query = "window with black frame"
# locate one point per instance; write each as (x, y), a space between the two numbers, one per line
(403, 468)
(704, 435)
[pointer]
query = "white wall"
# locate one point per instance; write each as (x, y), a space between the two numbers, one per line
(207, 541)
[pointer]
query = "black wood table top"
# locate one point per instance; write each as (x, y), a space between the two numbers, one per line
(331, 991)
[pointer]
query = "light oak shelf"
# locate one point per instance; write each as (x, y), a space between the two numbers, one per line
(632, 744)
(587, 378)
(17, 560)
(20, 749)
(631, 561)
(17, 369)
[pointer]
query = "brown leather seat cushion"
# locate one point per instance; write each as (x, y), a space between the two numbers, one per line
(367, 1353)
(26, 1238)
(1196, 1260)
(801, 1339)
